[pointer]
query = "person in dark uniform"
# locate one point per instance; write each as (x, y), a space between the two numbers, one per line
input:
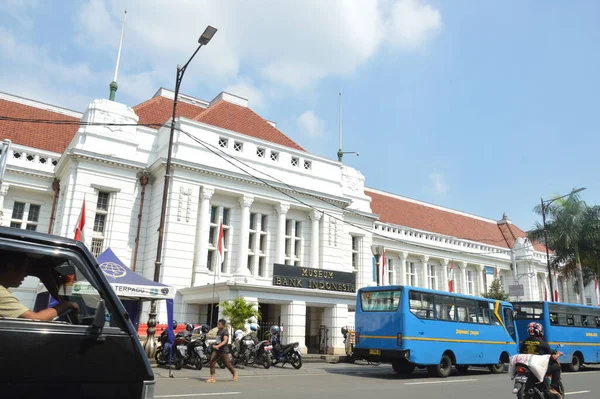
(535, 345)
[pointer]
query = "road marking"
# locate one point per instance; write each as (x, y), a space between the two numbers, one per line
(576, 392)
(439, 382)
(187, 395)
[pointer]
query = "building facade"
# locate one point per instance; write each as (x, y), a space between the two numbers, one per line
(297, 228)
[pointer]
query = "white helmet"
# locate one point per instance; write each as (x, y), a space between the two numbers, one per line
(238, 334)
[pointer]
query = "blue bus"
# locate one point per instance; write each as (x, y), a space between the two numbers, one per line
(577, 327)
(415, 327)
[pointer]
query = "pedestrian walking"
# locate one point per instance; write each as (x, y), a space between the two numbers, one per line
(221, 349)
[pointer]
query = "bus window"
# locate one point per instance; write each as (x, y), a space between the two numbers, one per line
(483, 312)
(509, 323)
(554, 319)
(584, 321)
(444, 307)
(380, 301)
(466, 310)
(577, 320)
(526, 311)
(570, 320)
(597, 321)
(562, 319)
(421, 305)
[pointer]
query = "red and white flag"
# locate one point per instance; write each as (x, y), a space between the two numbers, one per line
(383, 269)
(220, 248)
(555, 286)
(597, 289)
(79, 227)
(451, 277)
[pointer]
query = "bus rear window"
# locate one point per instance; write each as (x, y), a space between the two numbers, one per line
(526, 311)
(380, 301)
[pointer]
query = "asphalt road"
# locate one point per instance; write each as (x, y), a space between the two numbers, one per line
(323, 380)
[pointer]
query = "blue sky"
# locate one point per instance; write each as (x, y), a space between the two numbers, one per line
(479, 106)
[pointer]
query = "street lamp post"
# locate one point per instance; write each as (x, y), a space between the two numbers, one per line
(377, 252)
(149, 346)
(545, 204)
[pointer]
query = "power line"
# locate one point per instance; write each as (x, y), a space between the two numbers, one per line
(207, 146)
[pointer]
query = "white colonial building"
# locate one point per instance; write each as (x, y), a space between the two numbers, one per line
(279, 205)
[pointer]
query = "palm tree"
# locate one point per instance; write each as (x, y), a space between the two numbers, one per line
(567, 219)
(239, 312)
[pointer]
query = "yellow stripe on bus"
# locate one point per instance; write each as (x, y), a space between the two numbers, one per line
(575, 343)
(469, 341)
(436, 339)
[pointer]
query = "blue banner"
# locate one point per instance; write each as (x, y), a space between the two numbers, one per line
(489, 270)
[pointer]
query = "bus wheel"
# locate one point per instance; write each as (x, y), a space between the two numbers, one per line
(575, 363)
(443, 369)
(462, 368)
(403, 367)
(496, 368)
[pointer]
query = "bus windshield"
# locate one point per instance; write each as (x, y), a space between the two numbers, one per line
(527, 311)
(380, 301)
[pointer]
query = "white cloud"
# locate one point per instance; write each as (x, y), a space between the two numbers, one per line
(413, 23)
(310, 123)
(244, 87)
(290, 44)
(438, 183)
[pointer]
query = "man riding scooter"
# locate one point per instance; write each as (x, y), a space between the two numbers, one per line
(535, 345)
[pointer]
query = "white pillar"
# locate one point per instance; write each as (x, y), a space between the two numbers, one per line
(481, 270)
(403, 256)
(444, 275)
(293, 319)
(242, 265)
(3, 192)
(335, 318)
(463, 277)
(424, 273)
(547, 290)
(282, 210)
(202, 230)
(534, 284)
(314, 239)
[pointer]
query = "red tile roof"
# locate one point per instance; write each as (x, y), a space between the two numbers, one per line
(243, 120)
(46, 136)
(158, 110)
(402, 212)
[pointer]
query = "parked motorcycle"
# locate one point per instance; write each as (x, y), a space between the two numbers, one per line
(259, 353)
(530, 375)
(283, 354)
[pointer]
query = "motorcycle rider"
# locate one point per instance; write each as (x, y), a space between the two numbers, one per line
(164, 338)
(276, 342)
(535, 345)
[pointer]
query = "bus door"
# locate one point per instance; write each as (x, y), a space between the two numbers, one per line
(509, 322)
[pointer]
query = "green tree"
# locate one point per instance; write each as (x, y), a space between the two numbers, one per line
(496, 291)
(568, 222)
(239, 312)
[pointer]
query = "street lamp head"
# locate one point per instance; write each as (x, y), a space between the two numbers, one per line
(208, 34)
(377, 251)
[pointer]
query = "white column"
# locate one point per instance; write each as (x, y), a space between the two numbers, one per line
(403, 256)
(534, 284)
(463, 277)
(293, 319)
(481, 269)
(282, 210)
(425, 259)
(202, 229)
(547, 290)
(315, 216)
(242, 264)
(335, 318)
(3, 192)
(444, 274)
